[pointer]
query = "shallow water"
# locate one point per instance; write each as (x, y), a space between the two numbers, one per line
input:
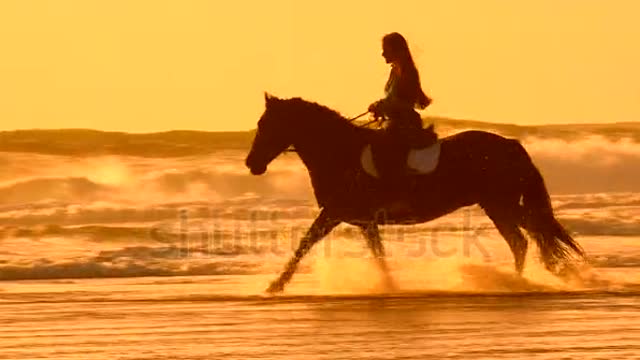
(221, 317)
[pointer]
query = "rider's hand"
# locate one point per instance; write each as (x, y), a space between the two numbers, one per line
(376, 109)
(374, 106)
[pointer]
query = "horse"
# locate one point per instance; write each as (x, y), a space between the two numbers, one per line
(474, 167)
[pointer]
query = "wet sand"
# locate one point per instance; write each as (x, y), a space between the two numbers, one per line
(229, 317)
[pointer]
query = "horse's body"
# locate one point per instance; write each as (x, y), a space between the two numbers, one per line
(474, 168)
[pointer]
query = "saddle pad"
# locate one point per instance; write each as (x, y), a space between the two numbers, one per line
(419, 161)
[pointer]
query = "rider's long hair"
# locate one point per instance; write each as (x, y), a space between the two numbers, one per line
(399, 46)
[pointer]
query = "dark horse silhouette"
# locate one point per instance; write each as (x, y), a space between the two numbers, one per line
(475, 167)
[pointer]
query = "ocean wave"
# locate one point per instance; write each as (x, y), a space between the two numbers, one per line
(91, 270)
(233, 211)
(565, 132)
(596, 201)
(165, 223)
(96, 233)
(47, 188)
(615, 261)
(86, 142)
(587, 165)
(602, 227)
(51, 180)
(137, 261)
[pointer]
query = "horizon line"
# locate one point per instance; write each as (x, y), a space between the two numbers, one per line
(433, 118)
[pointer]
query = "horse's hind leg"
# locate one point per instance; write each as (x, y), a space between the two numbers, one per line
(507, 225)
(374, 241)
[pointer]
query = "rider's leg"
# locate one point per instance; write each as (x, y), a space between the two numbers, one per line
(394, 175)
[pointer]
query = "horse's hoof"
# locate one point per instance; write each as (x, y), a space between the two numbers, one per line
(390, 286)
(568, 272)
(275, 287)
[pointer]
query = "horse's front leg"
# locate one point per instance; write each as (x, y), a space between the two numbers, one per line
(374, 241)
(321, 226)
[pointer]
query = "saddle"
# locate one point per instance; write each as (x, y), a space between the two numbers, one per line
(422, 139)
(417, 153)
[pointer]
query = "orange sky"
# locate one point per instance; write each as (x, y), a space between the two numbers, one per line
(151, 65)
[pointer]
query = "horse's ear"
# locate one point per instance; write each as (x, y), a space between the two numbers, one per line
(268, 98)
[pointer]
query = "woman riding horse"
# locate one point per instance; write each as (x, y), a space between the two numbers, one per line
(403, 95)
(474, 167)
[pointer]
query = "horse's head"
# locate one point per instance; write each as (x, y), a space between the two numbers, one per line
(273, 135)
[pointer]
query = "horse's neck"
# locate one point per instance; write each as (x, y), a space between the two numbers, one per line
(329, 151)
(327, 145)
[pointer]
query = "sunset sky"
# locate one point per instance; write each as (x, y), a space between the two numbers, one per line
(152, 65)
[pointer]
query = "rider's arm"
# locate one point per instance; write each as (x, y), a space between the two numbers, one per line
(398, 92)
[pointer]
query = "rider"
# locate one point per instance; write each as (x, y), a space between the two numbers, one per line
(403, 95)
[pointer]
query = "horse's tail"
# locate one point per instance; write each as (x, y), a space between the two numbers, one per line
(555, 243)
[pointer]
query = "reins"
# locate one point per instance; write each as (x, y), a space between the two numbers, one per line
(358, 117)
(291, 149)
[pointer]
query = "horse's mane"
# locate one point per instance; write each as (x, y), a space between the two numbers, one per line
(315, 108)
(323, 121)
